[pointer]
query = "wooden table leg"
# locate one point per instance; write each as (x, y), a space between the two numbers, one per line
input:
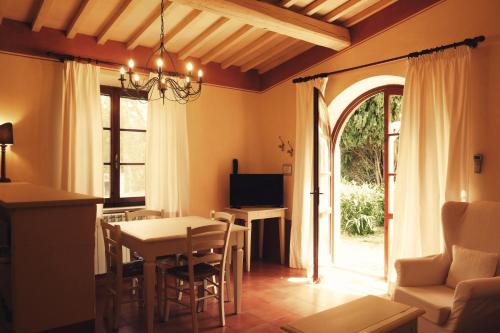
(261, 239)
(149, 292)
(238, 277)
(282, 239)
(248, 244)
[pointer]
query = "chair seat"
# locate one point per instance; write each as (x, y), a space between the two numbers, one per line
(435, 300)
(133, 268)
(184, 258)
(201, 271)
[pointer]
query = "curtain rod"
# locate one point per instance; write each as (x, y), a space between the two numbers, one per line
(471, 42)
(67, 57)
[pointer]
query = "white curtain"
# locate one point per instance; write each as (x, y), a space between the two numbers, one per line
(80, 164)
(434, 160)
(167, 157)
(301, 239)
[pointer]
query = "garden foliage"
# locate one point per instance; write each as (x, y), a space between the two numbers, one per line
(362, 207)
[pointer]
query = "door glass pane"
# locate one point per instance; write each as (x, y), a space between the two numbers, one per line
(133, 113)
(390, 188)
(325, 241)
(395, 113)
(392, 153)
(106, 146)
(132, 147)
(107, 181)
(132, 181)
(106, 111)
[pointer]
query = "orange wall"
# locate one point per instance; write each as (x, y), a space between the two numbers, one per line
(443, 23)
(220, 128)
(29, 100)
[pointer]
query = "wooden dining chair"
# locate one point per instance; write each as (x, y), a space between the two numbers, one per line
(119, 275)
(228, 218)
(198, 272)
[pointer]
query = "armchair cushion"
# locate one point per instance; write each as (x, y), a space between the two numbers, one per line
(415, 272)
(435, 300)
(470, 264)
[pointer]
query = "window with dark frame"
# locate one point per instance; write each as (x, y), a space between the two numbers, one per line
(124, 147)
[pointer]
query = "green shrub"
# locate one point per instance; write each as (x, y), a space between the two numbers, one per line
(362, 208)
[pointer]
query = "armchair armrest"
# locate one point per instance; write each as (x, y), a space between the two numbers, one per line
(476, 306)
(477, 288)
(425, 271)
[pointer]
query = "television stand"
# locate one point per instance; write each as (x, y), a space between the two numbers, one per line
(249, 214)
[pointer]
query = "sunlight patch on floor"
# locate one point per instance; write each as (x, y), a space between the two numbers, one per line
(345, 281)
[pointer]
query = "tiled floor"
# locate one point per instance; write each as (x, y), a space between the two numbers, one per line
(273, 295)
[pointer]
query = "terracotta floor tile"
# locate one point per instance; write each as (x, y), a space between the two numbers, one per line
(273, 295)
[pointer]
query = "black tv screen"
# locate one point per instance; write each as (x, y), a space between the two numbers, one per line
(256, 190)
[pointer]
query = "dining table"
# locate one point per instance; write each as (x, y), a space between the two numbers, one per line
(153, 238)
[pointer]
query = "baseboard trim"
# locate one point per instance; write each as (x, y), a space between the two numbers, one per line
(81, 327)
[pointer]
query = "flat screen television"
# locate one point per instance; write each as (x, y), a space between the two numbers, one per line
(256, 190)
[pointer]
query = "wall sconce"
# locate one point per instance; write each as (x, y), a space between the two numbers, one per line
(290, 148)
(6, 138)
(478, 163)
(281, 146)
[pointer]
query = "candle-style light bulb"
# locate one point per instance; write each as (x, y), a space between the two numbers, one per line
(159, 62)
(131, 64)
(136, 78)
(200, 73)
(122, 71)
(189, 67)
(188, 79)
(163, 81)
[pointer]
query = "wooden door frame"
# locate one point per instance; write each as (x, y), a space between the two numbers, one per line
(315, 192)
(391, 89)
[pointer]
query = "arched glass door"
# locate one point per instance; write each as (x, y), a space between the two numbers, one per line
(387, 166)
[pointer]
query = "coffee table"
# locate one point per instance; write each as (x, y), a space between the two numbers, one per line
(368, 314)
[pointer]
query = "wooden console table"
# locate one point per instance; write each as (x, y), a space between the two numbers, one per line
(250, 214)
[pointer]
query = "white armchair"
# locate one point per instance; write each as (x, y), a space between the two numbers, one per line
(474, 305)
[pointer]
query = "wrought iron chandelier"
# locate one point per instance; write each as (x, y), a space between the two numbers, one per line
(171, 85)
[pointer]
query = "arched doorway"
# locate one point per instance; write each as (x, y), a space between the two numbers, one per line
(387, 96)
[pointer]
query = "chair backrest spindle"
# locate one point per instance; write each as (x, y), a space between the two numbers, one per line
(143, 214)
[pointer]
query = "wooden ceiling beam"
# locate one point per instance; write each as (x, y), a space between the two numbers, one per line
(226, 44)
(262, 41)
(200, 40)
(314, 7)
(125, 8)
(280, 20)
(375, 8)
(41, 15)
(261, 58)
(83, 11)
(342, 10)
(190, 17)
(283, 56)
(288, 3)
(134, 41)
